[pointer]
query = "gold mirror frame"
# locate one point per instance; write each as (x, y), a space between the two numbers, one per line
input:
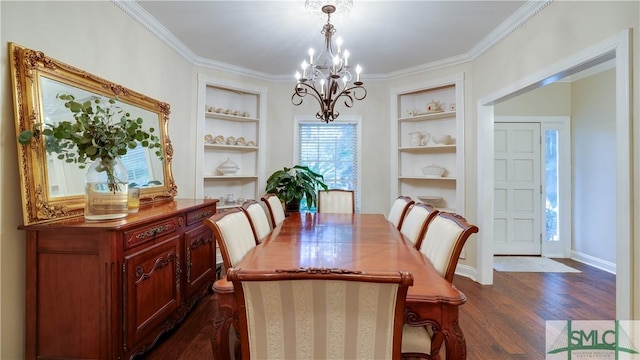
(28, 67)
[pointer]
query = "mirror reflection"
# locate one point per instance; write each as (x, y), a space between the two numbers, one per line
(66, 179)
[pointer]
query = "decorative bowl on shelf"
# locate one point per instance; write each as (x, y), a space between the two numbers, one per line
(430, 200)
(218, 139)
(251, 143)
(228, 167)
(231, 140)
(441, 139)
(433, 170)
(208, 138)
(240, 141)
(434, 106)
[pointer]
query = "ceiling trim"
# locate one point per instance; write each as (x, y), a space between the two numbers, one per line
(520, 17)
(530, 9)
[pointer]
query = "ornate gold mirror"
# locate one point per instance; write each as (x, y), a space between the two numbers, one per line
(51, 188)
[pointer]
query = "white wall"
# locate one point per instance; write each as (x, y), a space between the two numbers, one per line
(593, 129)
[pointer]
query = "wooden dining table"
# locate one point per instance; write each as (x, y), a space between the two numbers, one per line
(360, 242)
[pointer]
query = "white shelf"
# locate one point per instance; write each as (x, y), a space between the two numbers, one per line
(428, 116)
(423, 177)
(222, 116)
(408, 159)
(231, 97)
(229, 177)
(428, 148)
(231, 147)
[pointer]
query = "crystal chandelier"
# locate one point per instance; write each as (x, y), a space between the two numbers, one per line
(327, 77)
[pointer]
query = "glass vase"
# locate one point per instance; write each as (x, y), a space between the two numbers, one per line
(106, 187)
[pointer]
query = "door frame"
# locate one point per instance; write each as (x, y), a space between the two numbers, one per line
(616, 47)
(563, 125)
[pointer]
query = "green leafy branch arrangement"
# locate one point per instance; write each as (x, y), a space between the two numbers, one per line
(99, 131)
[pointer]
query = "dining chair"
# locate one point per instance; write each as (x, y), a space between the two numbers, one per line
(399, 210)
(312, 313)
(443, 241)
(234, 235)
(276, 209)
(336, 201)
(416, 221)
(260, 223)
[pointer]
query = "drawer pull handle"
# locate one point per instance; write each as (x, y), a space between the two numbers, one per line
(152, 232)
(202, 215)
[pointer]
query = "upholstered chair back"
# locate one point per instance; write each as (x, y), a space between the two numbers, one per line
(416, 221)
(276, 209)
(232, 230)
(336, 201)
(258, 218)
(320, 314)
(399, 210)
(443, 241)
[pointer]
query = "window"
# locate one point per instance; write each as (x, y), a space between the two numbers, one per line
(137, 163)
(332, 150)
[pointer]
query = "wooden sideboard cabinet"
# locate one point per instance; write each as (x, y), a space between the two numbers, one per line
(108, 290)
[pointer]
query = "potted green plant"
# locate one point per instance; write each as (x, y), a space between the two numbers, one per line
(291, 185)
(100, 133)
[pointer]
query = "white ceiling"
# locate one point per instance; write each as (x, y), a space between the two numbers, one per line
(271, 38)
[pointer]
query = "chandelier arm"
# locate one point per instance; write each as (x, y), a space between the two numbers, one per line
(301, 90)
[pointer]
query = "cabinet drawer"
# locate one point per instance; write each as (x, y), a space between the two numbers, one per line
(197, 216)
(151, 232)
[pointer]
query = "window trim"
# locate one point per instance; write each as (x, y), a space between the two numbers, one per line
(353, 119)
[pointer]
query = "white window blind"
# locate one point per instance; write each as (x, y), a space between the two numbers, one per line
(138, 166)
(331, 150)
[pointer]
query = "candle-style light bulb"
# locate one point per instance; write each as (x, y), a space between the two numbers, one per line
(311, 56)
(322, 87)
(344, 81)
(304, 67)
(298, 76)
(339, 43)
(336, 61)
(346, 57)
(358, 71)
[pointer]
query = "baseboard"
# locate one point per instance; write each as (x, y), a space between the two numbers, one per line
(593, 261)
(467, 271)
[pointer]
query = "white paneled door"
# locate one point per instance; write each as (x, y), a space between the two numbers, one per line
(517, 189)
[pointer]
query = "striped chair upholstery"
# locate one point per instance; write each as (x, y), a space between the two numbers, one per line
(258, 218)
(416, 221)
(336, 201)
(399, 210)
(320, 313)
(443, 241)
(234, 235)
(276, 210)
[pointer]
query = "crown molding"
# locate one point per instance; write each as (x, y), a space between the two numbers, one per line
(520, 17)
(515, 21)
(147, 21)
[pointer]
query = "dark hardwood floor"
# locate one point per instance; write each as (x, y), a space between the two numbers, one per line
(505, 320)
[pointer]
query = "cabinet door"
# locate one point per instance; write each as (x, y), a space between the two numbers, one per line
(200, 258)
(151, 291)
